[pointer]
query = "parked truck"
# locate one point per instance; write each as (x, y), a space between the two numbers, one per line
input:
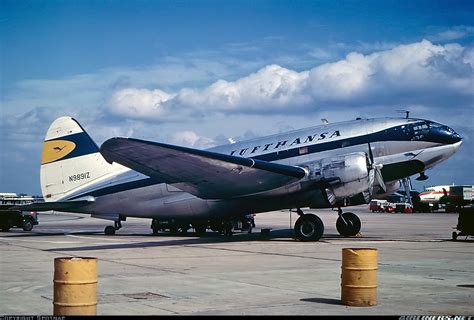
(15, 218)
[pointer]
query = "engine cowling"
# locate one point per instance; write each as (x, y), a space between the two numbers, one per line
(344, 176)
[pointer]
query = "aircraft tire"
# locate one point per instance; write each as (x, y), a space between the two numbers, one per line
(109, 230)
(200, 228)
(228, 229)
(351, 228)
(309, 227)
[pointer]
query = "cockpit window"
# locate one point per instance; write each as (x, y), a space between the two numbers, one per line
(432, 124)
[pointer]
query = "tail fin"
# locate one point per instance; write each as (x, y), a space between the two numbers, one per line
(70, 159)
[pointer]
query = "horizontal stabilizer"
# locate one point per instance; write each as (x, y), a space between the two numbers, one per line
(48, 206)
(208, 175)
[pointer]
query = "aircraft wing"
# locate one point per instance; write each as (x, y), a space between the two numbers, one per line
(208, 175)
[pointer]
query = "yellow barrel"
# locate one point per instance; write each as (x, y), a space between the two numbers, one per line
(359, 277)
(75, 286)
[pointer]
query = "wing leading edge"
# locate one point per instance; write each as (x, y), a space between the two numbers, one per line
(208, 175)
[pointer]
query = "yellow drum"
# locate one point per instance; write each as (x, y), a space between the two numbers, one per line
(75, 286)
(359, 277)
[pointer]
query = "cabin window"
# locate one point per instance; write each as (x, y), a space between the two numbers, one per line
(303, 150)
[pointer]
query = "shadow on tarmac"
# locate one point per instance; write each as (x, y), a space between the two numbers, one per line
(322, 300)
(208, 238)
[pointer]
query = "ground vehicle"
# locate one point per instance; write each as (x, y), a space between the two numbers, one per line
(397, 207)
(465, 222)
(397, 202)
(21, 219)
(377, 205)
(16, 218)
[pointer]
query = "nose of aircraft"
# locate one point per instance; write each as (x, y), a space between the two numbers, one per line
(445, 135)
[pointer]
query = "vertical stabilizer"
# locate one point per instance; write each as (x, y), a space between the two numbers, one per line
(70, 160)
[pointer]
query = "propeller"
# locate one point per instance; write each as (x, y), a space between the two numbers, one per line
(375, 173)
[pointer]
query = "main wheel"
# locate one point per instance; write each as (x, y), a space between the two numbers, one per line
(109, 230)
(27, 225)
(455, 235)
(200, 228)
(348, 225)
(228, 228)
(309, 227)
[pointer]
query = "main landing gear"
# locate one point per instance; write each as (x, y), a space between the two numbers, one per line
(110, 230)
(309, 227)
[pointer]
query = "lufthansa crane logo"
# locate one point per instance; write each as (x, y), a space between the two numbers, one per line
(55, 150)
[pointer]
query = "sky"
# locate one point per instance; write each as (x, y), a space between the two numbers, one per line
(196, 73)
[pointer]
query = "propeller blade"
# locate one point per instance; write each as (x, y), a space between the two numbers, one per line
(371, 181)
(379, 177)
(371, 156)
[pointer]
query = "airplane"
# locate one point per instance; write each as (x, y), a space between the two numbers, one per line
(446, 194)
(333, 165)
(434, 194)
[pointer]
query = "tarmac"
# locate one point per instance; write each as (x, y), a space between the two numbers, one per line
(421, 270)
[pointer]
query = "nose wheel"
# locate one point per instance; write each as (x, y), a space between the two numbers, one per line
(348, 224)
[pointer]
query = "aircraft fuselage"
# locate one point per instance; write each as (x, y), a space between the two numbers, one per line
(403, 146)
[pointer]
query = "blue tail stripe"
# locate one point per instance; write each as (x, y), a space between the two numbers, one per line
(84, 145)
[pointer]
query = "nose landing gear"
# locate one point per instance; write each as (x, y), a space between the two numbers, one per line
(347, 224)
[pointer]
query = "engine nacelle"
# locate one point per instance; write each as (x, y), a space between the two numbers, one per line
(346, 176)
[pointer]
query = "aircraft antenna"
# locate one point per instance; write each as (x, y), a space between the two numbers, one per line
(406, 112)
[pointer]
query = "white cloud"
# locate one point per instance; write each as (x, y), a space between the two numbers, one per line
(420, 73)
(192, 139)
(271, 87)
(454, 33)
(340, 80)
(139, 103)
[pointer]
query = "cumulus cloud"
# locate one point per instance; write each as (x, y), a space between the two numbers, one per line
(192, 139)
(454, 33)
(417, 74)
(270, 87)
(139, 103)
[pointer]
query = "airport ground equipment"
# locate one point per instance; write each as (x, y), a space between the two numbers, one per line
(460, 195)
(377, 205)
(16, 218)
(75, 286)
(465, 224)
(359, 277)
(20, 219)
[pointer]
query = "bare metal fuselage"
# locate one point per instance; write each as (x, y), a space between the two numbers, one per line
(136, 195)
